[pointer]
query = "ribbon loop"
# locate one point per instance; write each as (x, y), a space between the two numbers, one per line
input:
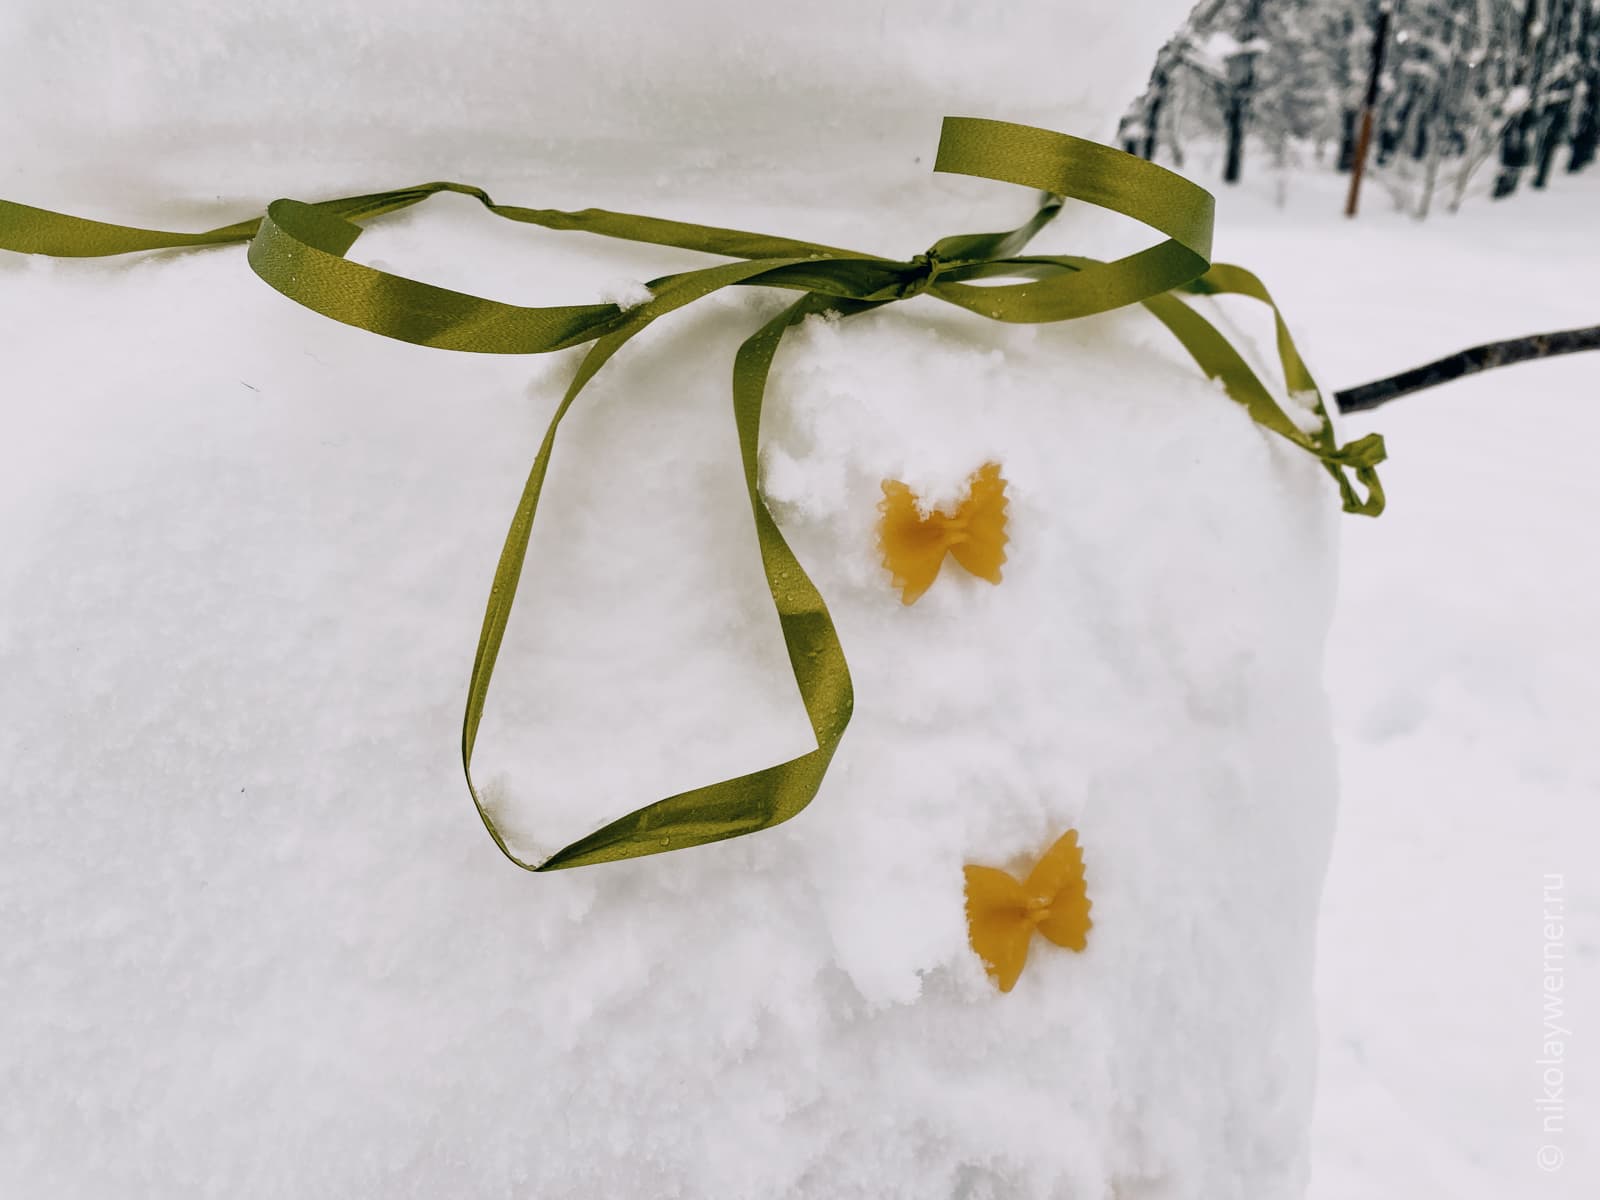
(1362, 456)
(300, 249)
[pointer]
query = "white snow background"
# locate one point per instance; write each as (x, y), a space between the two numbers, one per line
(1464, 671)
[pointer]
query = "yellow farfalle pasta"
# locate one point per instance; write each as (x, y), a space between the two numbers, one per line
(914, 546)
(1002, 914)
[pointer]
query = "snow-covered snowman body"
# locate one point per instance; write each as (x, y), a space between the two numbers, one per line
(255, 942)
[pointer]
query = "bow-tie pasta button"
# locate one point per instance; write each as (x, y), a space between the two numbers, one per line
(915, 542)
(1003, 914)
(870, 613)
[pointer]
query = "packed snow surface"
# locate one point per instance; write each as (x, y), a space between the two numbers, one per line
(115, 105)
(255, 940)
(256, 937)
(255, 943)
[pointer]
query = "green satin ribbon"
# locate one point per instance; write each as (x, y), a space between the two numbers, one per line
(299, 249)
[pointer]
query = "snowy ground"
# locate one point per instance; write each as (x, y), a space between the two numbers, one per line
(1462, 667)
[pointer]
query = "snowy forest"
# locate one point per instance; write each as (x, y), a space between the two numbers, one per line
(1436, 99)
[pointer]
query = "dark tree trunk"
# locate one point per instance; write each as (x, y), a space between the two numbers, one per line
(1152, 120)
(1242, 79)
(1387, 137)
(1555, 125)
(1349, 112)
(1348, 120)
(1422, 124)
(1586, 130)
(1236, 115)
(1380, 46)
(1392, 130)
(1515, 144)
(1586, 137)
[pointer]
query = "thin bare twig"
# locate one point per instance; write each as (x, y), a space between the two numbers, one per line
(1468, 362)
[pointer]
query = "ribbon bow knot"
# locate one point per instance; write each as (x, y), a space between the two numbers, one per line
(299, 249)
(925, 270)
(1365, 451)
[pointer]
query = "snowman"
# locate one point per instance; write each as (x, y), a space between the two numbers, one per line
(1041, 924)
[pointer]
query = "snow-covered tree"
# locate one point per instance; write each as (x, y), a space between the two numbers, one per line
(1465, 82)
